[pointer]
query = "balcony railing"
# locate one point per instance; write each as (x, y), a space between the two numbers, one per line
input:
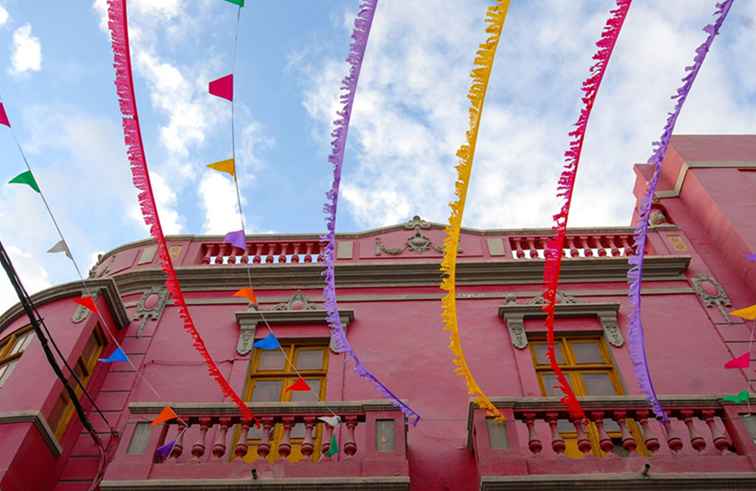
(289, 444)
(619, 435)
(263, 252)
(576, 246)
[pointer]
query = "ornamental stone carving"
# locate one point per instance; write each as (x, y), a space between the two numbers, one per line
(82, 313)
(417, 243)
(150, 307)
(297, 301)
(711, 293)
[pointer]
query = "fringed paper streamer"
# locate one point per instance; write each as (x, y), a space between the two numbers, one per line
(360, 35)
(118, 25)
(555, 246)
(635, 332)
(483, 64)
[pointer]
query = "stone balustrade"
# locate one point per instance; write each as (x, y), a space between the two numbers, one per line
(578, 245)
(263, 252)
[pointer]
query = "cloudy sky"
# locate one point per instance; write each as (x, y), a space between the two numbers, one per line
(56, 81)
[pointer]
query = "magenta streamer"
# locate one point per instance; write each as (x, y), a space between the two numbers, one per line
(360, 35)
(635, 333)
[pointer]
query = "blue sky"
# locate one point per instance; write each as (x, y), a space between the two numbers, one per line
(56, 81)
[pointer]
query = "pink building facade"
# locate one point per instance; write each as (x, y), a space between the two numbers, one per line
(390, 304)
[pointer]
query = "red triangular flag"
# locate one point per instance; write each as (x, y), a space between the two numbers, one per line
(741, 361)
(87, 303)
(166, 414)
(247, 293)
(300, 384)
(223, 87)
(3, 116)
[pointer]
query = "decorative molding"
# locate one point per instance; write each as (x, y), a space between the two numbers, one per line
(82, 313)
(377, 483)
(144, 313)
(105, 285)
(561, 297)
(417, 243)
(298, 301)
(686, 166)
(514, 315)
(40, 423)
(249, 320)
(262, 408)
(713, 296)
(620, 481)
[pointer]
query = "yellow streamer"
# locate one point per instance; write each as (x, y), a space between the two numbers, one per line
(484, 58)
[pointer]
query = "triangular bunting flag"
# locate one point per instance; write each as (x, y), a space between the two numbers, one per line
(333, 448)
(166, 414)
(117, 355)
(268, 342)
(87, 303)
(61, 246)
(751, 257)
(25, 178)
(3, 116)
(247, 293)
(163, 451)
(332, 421)
(747, 313)
(223, 87)
(227, 166)
(300, 384)
(738, 398)
(741, 361)
(236, 239)
(240, 3)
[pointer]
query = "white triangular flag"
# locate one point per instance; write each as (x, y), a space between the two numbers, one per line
(332, 421)
(61, 246)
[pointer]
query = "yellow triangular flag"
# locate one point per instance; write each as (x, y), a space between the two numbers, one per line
(226, 166)
(166, 414)
(748, 313)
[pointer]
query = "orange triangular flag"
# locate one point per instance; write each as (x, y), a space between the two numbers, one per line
(247, 293)
(166, 414)
(748, 313)
(87, 303)
(300, 384)
(226, 166)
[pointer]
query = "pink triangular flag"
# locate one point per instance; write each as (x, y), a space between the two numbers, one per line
(3, 116)
(87, 303)
(741, 361)
(223, 87)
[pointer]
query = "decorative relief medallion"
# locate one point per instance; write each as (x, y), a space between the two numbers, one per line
(560, 298)
(711, 293)
(82, 313)
(417, 243)
(150, 307)
(677, 243)
(297, 301)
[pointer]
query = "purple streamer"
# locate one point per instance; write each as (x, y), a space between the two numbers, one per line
(635, 334)
(360, 34)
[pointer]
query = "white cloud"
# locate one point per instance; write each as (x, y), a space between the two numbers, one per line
(165, 198)
(32, 275)
(218, 199)
(410, 110)
(26, 53)
(4, 16)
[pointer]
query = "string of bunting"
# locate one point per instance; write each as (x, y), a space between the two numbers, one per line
(360, 35)
(483, 65)
(743, 361)
(118, 25)
(555, 246)
(635, 274)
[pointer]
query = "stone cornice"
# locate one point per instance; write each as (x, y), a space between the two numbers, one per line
(686, 166)
(40, 423)
(403, 273)
(106, 286)
(562, 309)
(377, 483)
(631, 480)
(263, 408)
(253, 317)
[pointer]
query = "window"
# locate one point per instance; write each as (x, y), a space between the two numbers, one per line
(63, 410)
(271, 372)
(11, 349)
(586, 363)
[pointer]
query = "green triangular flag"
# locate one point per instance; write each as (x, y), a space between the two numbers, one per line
(333, 448)
(240, 3)
(25, 178)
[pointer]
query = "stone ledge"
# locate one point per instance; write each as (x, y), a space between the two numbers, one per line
(378, 483)
(625, 481)
(262, 408)
(40, 423)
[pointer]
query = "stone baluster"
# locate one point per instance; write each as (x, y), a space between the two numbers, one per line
(627, 244)
(574, 251)
(257, 257)
(612, 244)
(308, 252)
(245, 254)
(557, 442)
(696, 440)
(649, 437)
(605, 443)
(284, 447)
(586, 245)
(206, 253)
(600, 245)
(219, 448)
(263, 448)
(628, 441)
(674, 442)
(719, 438)
(350, 446)
(198, 449)
(178, 448)
(295, 253)
(583, 443)
(242, 447)
(283, 258)
(534, 444)
(516, 243)
(327, 434)
(532, 248)
(307, 446)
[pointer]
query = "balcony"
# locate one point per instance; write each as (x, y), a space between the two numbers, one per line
(288, 450)
(706, 445)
